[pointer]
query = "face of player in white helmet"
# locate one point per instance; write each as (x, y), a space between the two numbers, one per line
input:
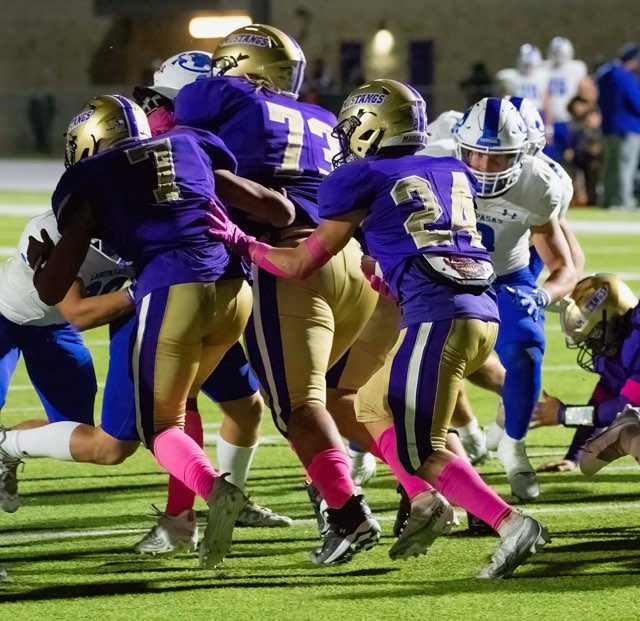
(491, 138)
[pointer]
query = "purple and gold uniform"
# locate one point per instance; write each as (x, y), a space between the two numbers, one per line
(188, 315)
(277, 141)
(421, 209)
(620, 374)
(298, 329)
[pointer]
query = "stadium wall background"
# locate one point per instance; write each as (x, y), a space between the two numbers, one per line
(71, 50)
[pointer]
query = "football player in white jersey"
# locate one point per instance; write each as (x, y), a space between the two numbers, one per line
(567, 78)
(491, 376)
(519, 196)
(529, 80)
(48, 336)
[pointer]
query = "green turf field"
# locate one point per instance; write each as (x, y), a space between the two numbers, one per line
(69, 548)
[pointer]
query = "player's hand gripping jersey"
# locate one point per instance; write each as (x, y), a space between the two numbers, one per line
(159, 223)
(278, 141)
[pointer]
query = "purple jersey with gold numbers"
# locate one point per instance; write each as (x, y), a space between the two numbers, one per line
(417, 205)
(149, 198)
(278, 141)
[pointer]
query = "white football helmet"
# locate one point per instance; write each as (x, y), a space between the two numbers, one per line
(492, 126)
(180, 70)
(533, 121)
(529, 58)
(560, 51)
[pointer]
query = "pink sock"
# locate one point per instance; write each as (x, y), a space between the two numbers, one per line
(461, 485)
(181, 456)
(179, 497)
(330, 470)
(388, 447)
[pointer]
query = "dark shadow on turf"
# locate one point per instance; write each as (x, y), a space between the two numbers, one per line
(208, 581)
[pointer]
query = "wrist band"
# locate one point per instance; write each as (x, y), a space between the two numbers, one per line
(576, 415)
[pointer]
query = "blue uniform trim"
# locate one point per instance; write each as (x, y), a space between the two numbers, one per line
(232, 379)
(53, 356)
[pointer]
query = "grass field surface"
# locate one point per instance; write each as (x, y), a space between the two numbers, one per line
(69, 548)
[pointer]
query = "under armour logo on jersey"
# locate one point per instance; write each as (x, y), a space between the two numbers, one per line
(509, 214)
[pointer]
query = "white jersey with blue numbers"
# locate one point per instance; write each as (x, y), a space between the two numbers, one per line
(532, 86)
(19, 300)
(504, 221)
(563, 86)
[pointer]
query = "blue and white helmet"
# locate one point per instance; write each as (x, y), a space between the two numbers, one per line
(180, 70)
(529, 58)
(560, 51)
(492, 126)
(533, 121)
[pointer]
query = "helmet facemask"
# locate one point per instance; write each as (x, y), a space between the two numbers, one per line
(491, 184)
(605, 340)
(345, 132)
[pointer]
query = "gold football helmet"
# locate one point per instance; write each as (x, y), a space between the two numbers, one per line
(262, 54)
(591, 319)
(381, 113)
(101, 124)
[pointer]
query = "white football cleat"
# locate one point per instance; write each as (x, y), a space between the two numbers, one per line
(431, 516)
(526, 537)
(171, 535)
(606, 446)
(9, 498)
(520, 473)
(363, 466)
(225, 505)
(254, 515)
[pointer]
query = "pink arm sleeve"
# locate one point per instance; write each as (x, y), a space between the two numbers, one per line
(305, 259)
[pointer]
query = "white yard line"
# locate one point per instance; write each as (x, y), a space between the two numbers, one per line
(9, 538)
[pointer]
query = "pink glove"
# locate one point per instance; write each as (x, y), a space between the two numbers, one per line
(222, 229)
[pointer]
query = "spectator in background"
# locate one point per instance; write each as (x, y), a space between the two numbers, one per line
(41, 111)
(619, 101)
(478, 85)
(585, 152)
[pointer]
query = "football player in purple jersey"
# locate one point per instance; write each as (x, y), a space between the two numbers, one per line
(297, 330)
(417, 214)
(602, 321)
(147, 198)
(232, 385)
